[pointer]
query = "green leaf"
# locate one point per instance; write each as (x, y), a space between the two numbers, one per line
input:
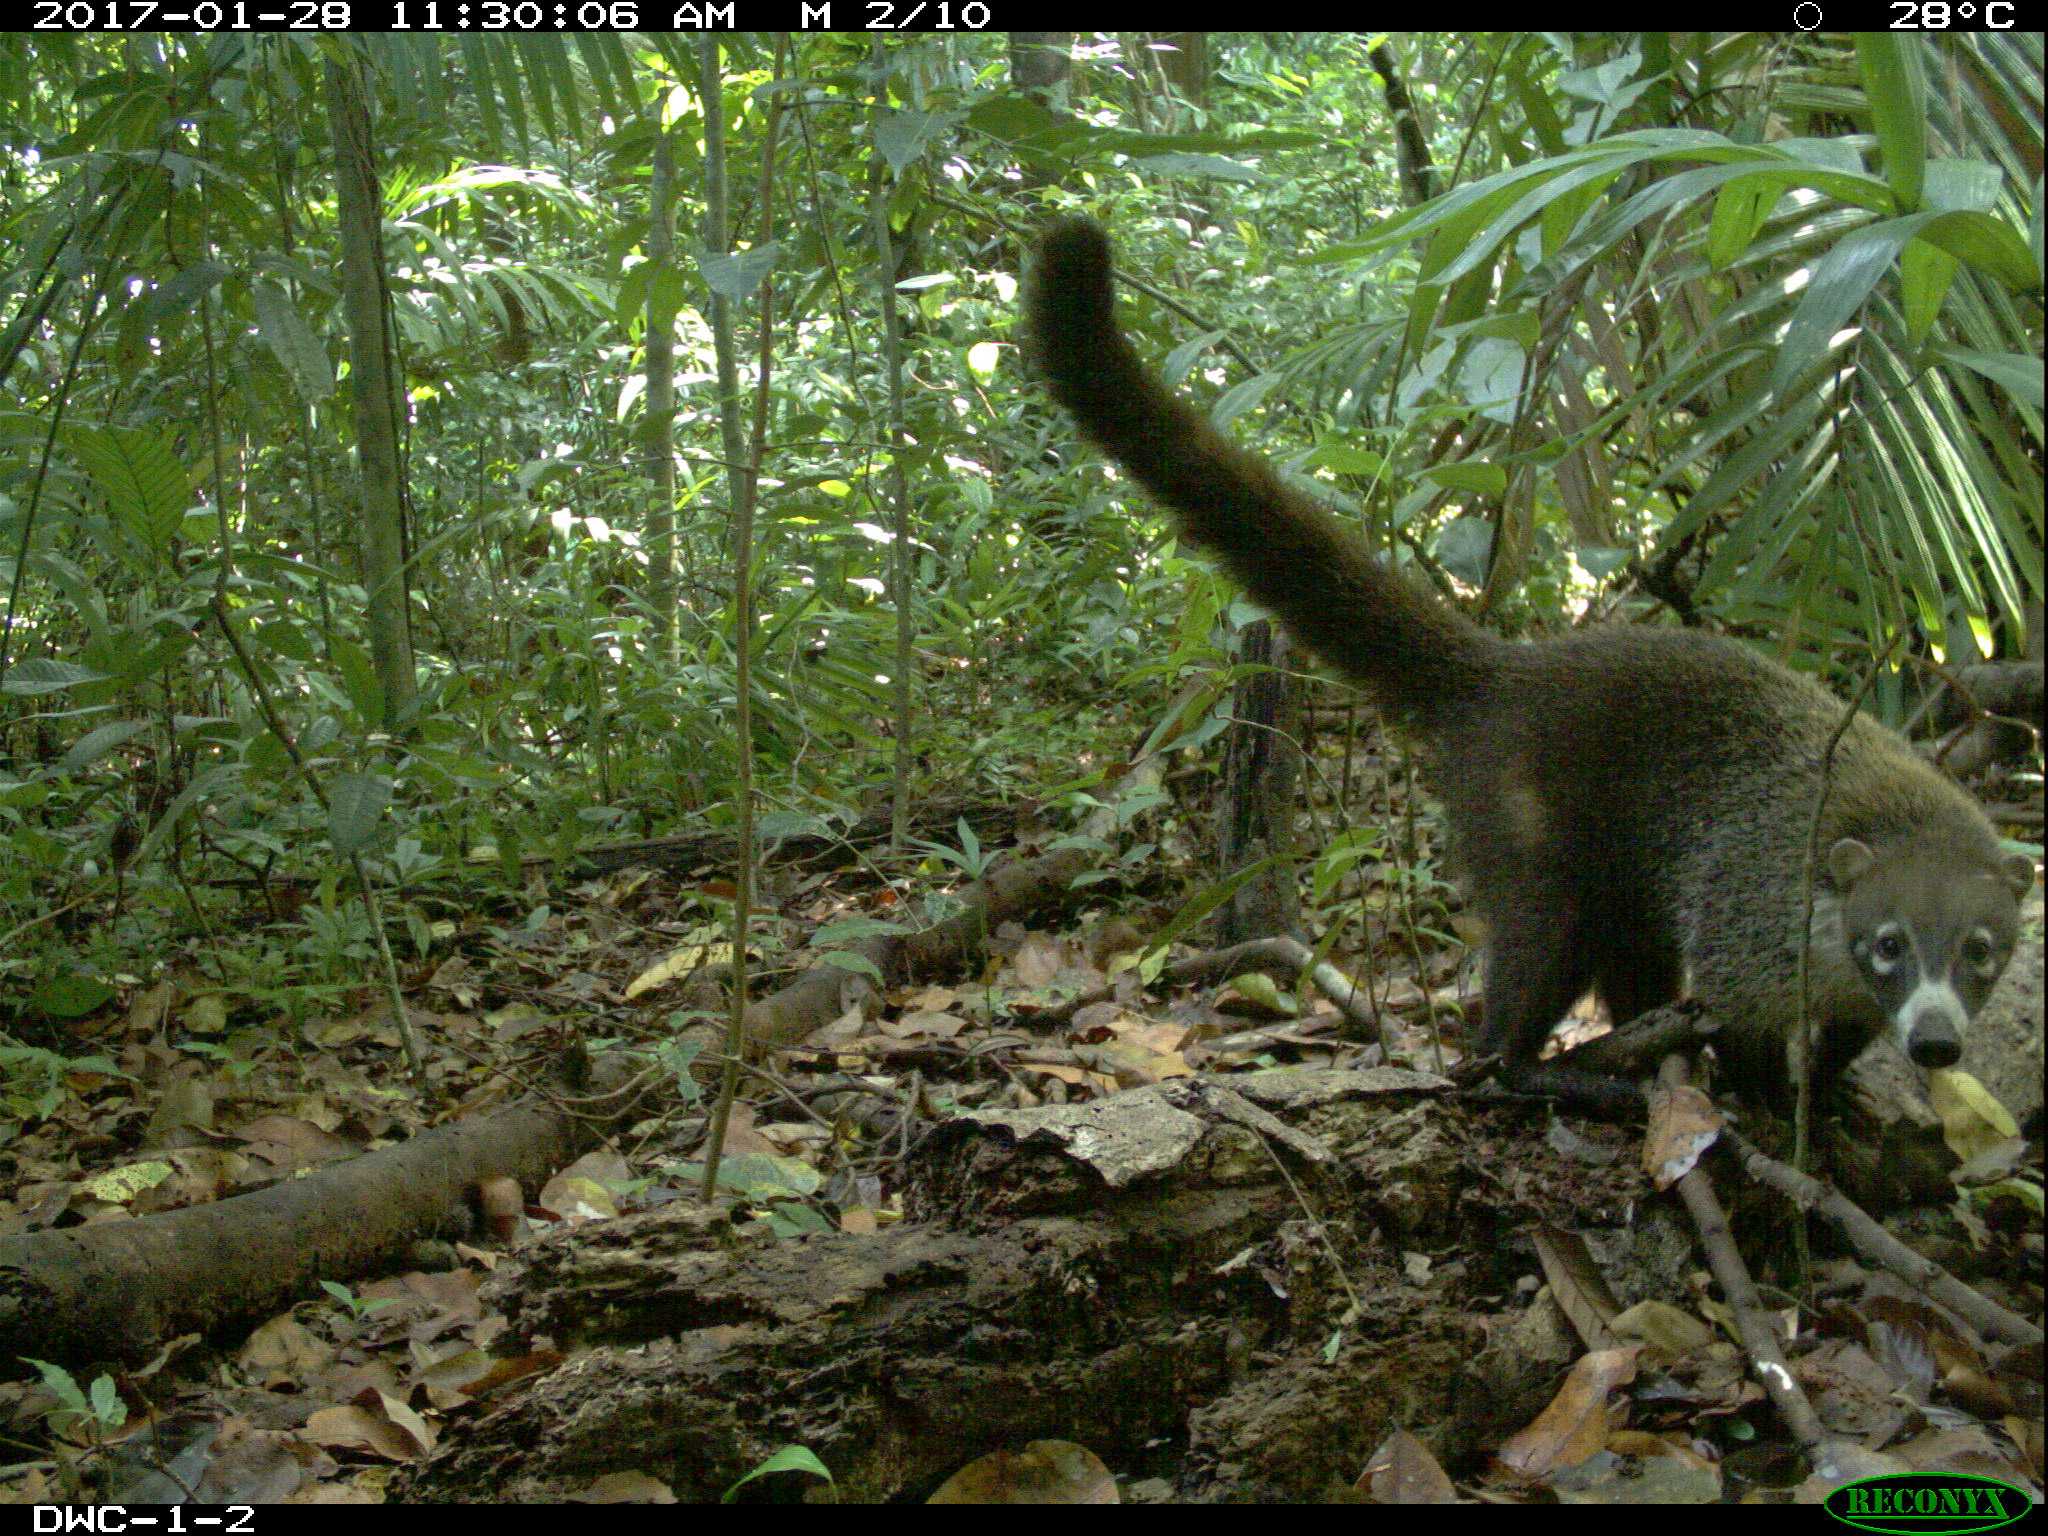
(1205, 901)
(1194, 165)
(1464, 547)
(42, 674)
(902, 136)
(1469, 475)
(1897, 91)
(1182, 358)
(2017, 373)
(1740, 209)
(1925, 272)
(1346, 459)
(1841, 284)
(1962, 185)
(355, 801)
(1843, 280)
(851, 960)
(145, 485)
(849, 928)
(359, 679)
(736, 276)
(70, 995)
(104, 739)
(1490, 377)
(285, 331)
(791, 1458)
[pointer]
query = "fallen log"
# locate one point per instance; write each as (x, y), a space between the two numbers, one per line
(1023, 887)
(116, 1289)
(1200, 1271)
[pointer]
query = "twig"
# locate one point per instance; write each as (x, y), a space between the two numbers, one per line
(1752, 1322)
(1880, 1247)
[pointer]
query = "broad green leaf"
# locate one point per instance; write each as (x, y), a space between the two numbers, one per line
(145, 485)
(284, 330)
(1740, 209)
(902, 136)
(1846, 275)
(1195, 165)
(182, 292)
(96, 743)
(2017, 373)
(1925, 272)
(791, 1458)
(70, 995)
(1480, 478)
(1464, 547)
(355, 802)
(1897, 92)
(852, 960)
(1182, 358)
(736, 276)
(1346, 459)
(43, 674)
(359, 677)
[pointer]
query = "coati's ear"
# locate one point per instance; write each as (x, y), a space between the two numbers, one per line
(2018, 870)
(1849, 861)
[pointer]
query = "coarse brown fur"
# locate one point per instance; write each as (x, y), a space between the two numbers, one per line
(1632, 806)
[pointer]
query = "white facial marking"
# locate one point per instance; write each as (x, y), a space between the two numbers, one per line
(1935, 996)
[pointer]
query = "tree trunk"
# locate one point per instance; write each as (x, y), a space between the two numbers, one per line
(1261, 764)
(661, 396)
(359, 204)
(1411, 146)
(899, 487)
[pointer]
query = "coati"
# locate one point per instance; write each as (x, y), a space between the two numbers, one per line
(1631, 806)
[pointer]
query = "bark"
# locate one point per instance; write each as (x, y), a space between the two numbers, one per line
(661, 398)
(1411, 146)
(1019, 888)
(372, 385)
(1137, 1274)
(896, 435)
(118, 1289)
(1261, 764)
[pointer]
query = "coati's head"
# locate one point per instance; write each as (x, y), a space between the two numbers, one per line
(1930, 929)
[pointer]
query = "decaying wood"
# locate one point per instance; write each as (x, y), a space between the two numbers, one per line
(1083, 1272)
(1024, 887)
(117, 1289)
(1275, 956)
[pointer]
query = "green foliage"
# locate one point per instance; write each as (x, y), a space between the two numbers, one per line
(790, 1458)
(1760, 314)
(99, 1409)
(356, 1306)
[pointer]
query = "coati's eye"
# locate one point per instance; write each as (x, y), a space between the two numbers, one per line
(1978, 952)
(1889, 948)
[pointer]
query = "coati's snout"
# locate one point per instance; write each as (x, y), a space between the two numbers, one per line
(1930, 931)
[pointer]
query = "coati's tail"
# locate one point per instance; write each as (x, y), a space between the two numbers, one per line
(1291, 555)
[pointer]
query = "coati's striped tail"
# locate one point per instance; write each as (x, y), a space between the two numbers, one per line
(1292, 556)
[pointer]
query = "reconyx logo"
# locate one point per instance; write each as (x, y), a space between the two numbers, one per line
(1948, 1502)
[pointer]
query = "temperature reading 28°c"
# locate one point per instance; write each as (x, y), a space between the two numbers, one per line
(1946, 15)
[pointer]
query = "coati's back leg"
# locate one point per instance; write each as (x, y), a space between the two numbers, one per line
(1538, 963)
